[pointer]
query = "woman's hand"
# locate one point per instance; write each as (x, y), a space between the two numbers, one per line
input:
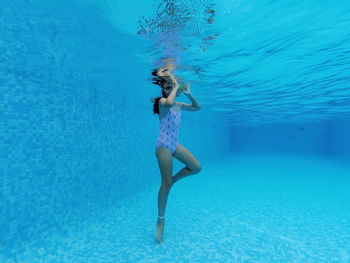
(166, 69)
(162, 72)
(186, 88)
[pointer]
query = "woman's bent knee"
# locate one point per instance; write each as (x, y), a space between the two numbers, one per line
(196, 169)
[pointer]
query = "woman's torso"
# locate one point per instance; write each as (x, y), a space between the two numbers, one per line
(170, 121)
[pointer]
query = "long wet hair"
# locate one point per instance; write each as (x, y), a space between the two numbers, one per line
(162, 82)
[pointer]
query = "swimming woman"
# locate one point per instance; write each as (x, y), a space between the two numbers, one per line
(167, 144)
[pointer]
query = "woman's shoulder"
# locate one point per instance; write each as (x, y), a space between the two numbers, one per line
(163, 100)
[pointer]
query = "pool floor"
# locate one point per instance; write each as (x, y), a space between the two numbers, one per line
(244, 209)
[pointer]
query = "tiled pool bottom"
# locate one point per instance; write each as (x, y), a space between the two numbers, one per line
(244, 209)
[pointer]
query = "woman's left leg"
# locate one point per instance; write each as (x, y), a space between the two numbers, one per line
(186, 157)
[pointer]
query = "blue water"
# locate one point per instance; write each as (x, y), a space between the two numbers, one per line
(79, 179)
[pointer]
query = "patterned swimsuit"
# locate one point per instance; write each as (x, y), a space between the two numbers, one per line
(169, 130)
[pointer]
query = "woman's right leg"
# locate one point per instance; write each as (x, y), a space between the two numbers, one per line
(165, 163)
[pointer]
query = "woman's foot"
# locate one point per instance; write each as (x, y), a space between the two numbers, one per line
(160, 230)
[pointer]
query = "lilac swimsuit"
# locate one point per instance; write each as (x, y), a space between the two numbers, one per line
(169, 130)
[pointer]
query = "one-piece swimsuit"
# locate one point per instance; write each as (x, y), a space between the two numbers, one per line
(169, 130)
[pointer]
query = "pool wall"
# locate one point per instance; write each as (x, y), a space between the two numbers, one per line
(323, 138)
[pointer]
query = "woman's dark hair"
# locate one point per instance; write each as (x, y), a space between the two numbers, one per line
(162, 82)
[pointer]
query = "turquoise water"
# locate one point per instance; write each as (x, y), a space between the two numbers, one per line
(79, 179)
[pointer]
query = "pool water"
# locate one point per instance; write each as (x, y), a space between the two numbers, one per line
(79, 179)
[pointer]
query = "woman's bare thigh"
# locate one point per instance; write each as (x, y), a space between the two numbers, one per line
(165, 163)
(187, 158)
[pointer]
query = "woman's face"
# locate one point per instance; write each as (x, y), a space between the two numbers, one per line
(168, 88)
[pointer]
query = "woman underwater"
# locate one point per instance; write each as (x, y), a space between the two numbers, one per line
(167, 144)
